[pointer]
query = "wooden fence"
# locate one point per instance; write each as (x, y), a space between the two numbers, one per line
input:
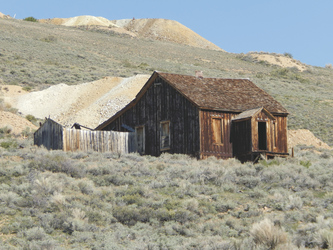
(101, 141)
(54, 136)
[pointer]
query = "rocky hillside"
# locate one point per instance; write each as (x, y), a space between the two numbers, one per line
(157, 29)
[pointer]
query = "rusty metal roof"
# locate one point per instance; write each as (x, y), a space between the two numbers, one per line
(234, 95)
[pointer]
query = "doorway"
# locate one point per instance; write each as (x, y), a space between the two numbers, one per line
(262, 136)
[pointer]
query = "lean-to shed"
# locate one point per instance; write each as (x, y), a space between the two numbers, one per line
(204, 117)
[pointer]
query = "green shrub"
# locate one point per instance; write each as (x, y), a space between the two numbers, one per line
(31, 118)
(10, 144)
(27, 88)
(306, 164)
(30, 19)
(286, 54)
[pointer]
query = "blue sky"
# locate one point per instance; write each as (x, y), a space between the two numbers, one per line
(301, 28)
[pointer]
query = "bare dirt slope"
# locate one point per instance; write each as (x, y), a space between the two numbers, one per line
(4, 16)
(166, 30)
(157, 29)
(80, 21)
(88, 104)
(280, 60)
(15, 123)
(305, 137)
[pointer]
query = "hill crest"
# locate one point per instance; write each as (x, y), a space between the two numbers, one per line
(156, 29)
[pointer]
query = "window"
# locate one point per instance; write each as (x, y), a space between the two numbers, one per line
(217, 131)
(140, 139)
(165, 135)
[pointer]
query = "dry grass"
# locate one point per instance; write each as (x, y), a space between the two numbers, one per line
(266, 234)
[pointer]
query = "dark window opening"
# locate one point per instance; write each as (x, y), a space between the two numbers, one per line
(262, 136)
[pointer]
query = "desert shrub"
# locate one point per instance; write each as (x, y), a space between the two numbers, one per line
(306, 164)
(27, 132)
(58, 162)
(86, 186)
(328, 66)
(286, 54)
(27, 88)
(5, 131)
(31, 118)
(266, 234)
(30, 19)
(130, 215)
(295, 202)
(43, 244)
(49, 39)
(324, 238)
(9, 144)
(35, 233)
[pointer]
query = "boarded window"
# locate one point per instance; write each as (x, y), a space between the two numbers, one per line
(140, 139)
(217, 130)
(165, 135)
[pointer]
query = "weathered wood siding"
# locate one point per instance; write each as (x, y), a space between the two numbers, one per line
(211, 146)
(50, 135)
(245, 136)
(261, 117)
(101, 141)
(282, 136)
(276, 141)
(161, 103)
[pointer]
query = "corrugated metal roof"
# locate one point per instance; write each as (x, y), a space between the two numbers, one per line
(235, 95)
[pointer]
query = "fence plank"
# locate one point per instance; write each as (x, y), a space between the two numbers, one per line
(54, 136)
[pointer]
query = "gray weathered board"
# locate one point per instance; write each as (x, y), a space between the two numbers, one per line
(54, 136)
(101, 141)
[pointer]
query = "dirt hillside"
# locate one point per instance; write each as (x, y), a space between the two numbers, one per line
(278, 59)
(4, 16)
(88, 104)
(157, 29)
(305, 137)
(165, 30)
(14, 122)
(80, 21)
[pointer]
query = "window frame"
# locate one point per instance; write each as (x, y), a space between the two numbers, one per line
(218, 134)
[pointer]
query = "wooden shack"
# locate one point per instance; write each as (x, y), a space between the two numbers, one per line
(204, 117)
